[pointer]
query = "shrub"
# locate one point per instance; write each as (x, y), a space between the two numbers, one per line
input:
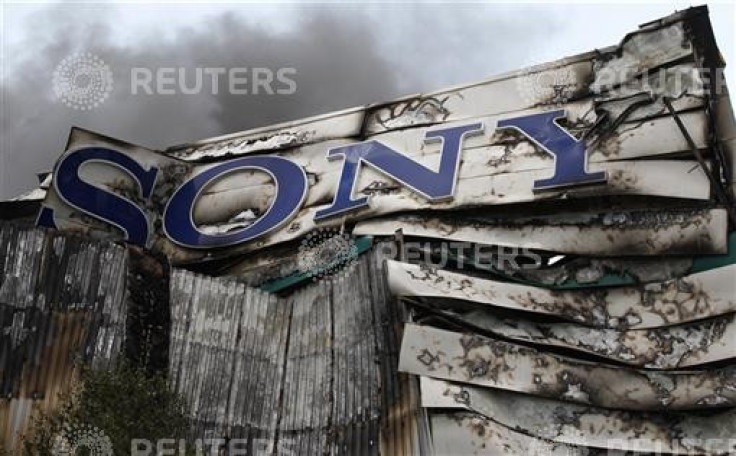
(123, 404)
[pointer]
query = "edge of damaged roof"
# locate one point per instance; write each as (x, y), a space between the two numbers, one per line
(355, 126)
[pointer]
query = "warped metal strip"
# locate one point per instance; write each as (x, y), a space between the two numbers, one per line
(580, 425)
(466, 433)
(665, 44)
(514, 91)
(693, 297)
(667, 232)
(668, 347)
(482, 361)
(664, 178)
(307, 400)
(494, 153)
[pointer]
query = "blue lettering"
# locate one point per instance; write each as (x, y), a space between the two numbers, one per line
(100, 203)
(291, 189)
(570, 154)
(433, 185)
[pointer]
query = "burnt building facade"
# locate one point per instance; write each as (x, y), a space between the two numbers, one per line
(539, 263)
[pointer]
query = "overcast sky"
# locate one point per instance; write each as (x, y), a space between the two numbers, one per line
(344, 55)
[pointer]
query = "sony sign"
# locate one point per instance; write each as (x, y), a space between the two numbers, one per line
(131, 211)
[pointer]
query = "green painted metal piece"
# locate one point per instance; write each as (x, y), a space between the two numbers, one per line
(362, 244)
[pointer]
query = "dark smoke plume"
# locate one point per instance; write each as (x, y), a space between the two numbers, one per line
(343, 57)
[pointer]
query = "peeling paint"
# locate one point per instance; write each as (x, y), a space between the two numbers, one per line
(581, 425)
(482, 361)
(701, 295)
(669, 347)
(608, 234)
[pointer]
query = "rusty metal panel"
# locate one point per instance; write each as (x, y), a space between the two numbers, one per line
(62, 303)
(477, 360)
(693, 297)
(665, 232)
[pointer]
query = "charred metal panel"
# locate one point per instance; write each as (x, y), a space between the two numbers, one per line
(148, 322)
(668, 347)
(608, 67)
(701, 295)
(477, 360)
(673, 232)
(316, 371)
(311, 372)
(234, 201)
(339, 124)
(467, 434)
(580, 425)
(226, 352)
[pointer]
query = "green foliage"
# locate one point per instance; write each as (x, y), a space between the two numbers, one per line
(124, 403)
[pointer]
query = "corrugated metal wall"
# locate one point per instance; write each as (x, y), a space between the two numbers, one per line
(61, 302)
(311, 373)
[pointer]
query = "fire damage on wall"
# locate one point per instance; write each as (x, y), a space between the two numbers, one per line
(505, 320)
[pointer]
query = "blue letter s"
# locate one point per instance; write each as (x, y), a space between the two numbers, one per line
(97, 202)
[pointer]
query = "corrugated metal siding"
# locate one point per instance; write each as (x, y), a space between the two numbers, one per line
(312, 373)
(61, 302)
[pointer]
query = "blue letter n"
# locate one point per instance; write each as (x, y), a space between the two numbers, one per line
(433, 185)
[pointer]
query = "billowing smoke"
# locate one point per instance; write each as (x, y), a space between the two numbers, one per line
(343, 57)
